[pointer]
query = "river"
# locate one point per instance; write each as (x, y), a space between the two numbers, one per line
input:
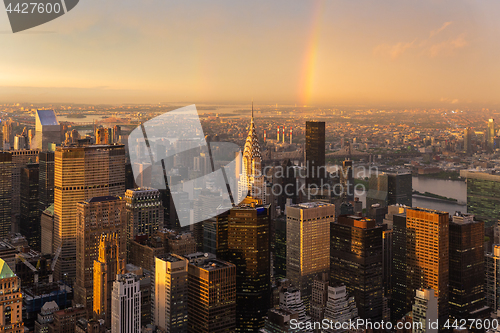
(456, 189)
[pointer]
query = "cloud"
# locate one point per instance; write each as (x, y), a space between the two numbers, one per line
(394, 51)
(423, 46)
(444, 26)
(447, 47)
(449, 100)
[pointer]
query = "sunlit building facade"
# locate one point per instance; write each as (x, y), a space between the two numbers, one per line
(170, 310)
(251, 181)
(11, 301)
(109, 263)
(307, 233)
(96, 217)
(81, 173)
(427, 252)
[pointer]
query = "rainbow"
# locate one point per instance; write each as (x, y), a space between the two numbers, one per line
(306, 84)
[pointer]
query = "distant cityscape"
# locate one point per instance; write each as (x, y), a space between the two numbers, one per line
(338, 219)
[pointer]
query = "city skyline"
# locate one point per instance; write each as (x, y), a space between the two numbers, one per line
(313, 53)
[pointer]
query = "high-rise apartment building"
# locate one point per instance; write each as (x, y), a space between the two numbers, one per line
(425, 311)
(5, 193)
(30, 214)
(96, 217)
(307, 252)
(47, 128)
(144, 212)
(126, 304)
(81, 173)
(315, 152)
(170, 310)
(249, 250)
(11, 301)
(483, 195)
(356, 262)
(467, 275)
(427, 253)
(109, 263)
(211, 294)
(46, 179)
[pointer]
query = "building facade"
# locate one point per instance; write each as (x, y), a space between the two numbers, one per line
(467, 274)
(307, 233)
(96, 217)
(81, 173)
(208, 276)
(356, 262)
(427, 252)
(170, 310)
(126, 304)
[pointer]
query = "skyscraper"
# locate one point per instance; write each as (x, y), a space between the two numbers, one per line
(207, 200)
(492, 263)
(425, 310)
(315, 152)
(402, 295)
(468, 140)
(249, 250)
(126, 304)
(96, 217)
(211, 295)
(80, 174)
(356, 262)
(5, 193)
(109, 263)
(308, 253)
(11, 303)
(427, 253)
(252, 182)
(47, 128)
(319, 296)
(170, 309)
(30, 214)
(347, 180)
(467, 273)
(46, 180)
(390, 189)
(490, 136)
(20, 159)
(483, 195)
(144, 212)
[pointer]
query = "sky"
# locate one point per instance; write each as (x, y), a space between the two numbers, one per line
(316, 52)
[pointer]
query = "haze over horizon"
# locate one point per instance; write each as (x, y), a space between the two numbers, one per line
(442, 53)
